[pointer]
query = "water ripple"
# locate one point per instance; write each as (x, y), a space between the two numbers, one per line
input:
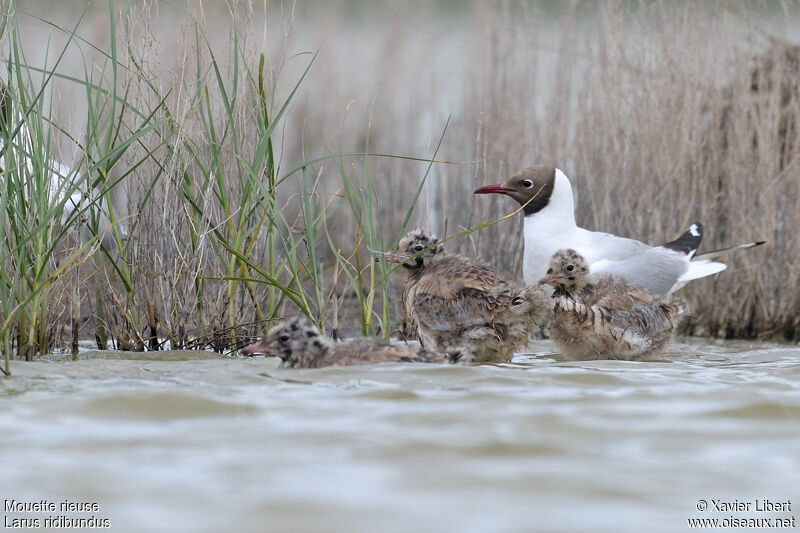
(561, 445)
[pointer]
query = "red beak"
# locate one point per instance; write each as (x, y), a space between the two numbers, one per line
(493, 189)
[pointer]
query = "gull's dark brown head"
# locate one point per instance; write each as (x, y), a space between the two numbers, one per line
(531, 187)
(420, 243)
(567, 271)
(295, 340)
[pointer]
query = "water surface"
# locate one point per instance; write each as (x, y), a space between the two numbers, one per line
(188, 441)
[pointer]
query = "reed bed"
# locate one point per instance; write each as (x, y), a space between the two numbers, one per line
(663, 114)
(236, 171)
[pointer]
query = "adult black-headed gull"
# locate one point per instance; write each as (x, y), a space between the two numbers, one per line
(606, 317)
(546, 196)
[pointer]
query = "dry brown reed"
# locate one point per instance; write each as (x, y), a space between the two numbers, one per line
(661, 113)
(665, 114)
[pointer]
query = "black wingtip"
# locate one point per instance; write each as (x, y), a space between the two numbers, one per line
(689, 242)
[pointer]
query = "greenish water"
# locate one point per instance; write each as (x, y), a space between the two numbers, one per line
(186, 441)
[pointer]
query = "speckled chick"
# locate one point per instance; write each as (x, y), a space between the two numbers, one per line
(299, 344)
(606, 317)
(450, 301)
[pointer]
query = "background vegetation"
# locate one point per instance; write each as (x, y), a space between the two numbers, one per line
(226, 163)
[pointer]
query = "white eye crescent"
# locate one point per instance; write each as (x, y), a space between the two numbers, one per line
(527, 184)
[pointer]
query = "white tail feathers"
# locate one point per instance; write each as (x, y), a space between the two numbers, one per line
(700, 268)
(701, 265)
(697, 269)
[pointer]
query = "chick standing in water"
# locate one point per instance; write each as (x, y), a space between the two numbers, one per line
(451, 302)
(301, 345)
(606, 317)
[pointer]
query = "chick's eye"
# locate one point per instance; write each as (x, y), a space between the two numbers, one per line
(284, 338)
(419, 248)
(549, 270)
(570, 268)
(527, 184)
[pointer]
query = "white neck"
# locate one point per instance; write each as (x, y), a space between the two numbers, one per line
(561, 205)
(548, 230)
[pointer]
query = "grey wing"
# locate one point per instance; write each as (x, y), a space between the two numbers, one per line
(656, 269)
(597, 246)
